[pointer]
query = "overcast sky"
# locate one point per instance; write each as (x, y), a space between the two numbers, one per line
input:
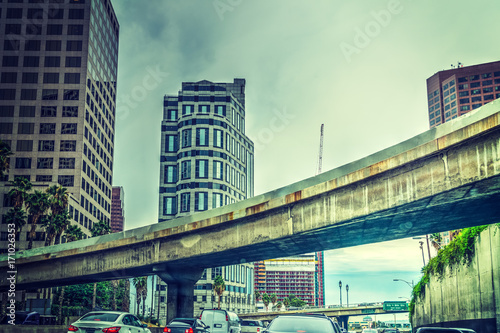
(359, 67)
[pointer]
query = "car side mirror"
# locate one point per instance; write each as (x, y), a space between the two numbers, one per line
(144, 325)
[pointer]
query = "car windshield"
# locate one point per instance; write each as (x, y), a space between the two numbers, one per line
(100, 316)
(301, 325)
(248, 323)
(181, 322)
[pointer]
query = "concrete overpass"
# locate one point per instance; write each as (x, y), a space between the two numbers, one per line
(445, 178)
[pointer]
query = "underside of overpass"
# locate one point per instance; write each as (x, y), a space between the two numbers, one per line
(446, 178)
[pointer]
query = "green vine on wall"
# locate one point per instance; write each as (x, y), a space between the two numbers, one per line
(460, 251)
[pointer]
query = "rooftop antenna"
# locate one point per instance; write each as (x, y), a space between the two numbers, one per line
(320, 155)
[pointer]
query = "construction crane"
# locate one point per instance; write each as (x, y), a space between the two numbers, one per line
(320, 156)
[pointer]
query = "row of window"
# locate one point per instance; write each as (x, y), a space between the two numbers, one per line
(33, 77)
(14, 30)
(45, 111)
(46, 145)
(45, 128)
(45, 163)
(234, 117)
(36, 45)
(100, 151)
(32, 94)
(99, 167)
(34, 61)
(172, 207)
(41, 13)
(478, 76)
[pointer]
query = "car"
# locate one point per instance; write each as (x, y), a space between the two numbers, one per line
(390, 330)
(186, 325)
(22, 318)
(369, 330)
(304, 323)
(108, 322)
(444, 330)
(221, 321)
(251, 326)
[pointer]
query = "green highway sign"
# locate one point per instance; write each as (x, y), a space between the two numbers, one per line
(395, 306)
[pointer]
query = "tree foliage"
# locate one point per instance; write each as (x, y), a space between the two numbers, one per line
(5, 152)
(100, 228)
(219, 287)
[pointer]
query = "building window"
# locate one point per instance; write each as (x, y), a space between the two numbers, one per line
(71, 95)
(169, 205)
(170, 143)
(28, 94)
(45, 163)
(185, 169)
(26, 111)
(47, 128)
(76, 14)
(31, 61)
(9, 77)
(72, 78)
(68, 145)
(49, 94)
(53, 45)
(70, 111)
(74, 45)
(7, 94)
(48, 111)
(69, 128)
(185, 202)
(43, 178)
(52, 61)
(201, 201)
(11, 44)
(218, 139)
(201, 168)
(220, 110)
(202, 137)
(172, 115)
(66, 163)
(187, 110)
(73, 61)
(54, 29)
(218, 171)
(75, 29)
(24, 145)
(30, 78)
(5, 128)
(7, 111)
(25, 128)
(170, 175)
(23, 163)
(66, 180)
(51, 78)
(186, 138)
(216, 200)
(203, 108)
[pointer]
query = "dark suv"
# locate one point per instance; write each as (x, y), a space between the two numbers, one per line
(304, 323)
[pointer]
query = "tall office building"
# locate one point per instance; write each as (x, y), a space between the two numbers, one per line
(207, 162)
(454, 92)
(57, 102)
(286, 276)
(117, 209)
(319, 279)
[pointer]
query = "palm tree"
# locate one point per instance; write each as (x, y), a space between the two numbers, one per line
(279, 305)
(5, 152)
(59, 198)
(73, 233)
(266, 300)
(273, 298)
(16, 216)
(37, 204)
(140, 284)
(62, 222)
(219, 286)
(257, 296)
(286, 302)
(20, 191)
(436, 240)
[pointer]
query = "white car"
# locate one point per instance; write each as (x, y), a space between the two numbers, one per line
(108, 322)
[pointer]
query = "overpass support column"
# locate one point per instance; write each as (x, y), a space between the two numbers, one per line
(180, 292)
(343, 321)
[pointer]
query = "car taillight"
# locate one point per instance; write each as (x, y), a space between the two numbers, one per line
(167, 330)
(227, 318)
(111, 329)
(72, 328)
(258, 329)
(189, 330)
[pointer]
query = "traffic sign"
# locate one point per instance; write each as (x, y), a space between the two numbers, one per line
(395, 306)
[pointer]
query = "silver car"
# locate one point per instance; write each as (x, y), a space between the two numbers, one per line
(108, 322)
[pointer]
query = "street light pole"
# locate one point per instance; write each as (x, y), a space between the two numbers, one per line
(347, 293)
(340, 287)
(422, 248)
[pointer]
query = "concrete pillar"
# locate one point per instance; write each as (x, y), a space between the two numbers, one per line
(343, 321)
(180, 292)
